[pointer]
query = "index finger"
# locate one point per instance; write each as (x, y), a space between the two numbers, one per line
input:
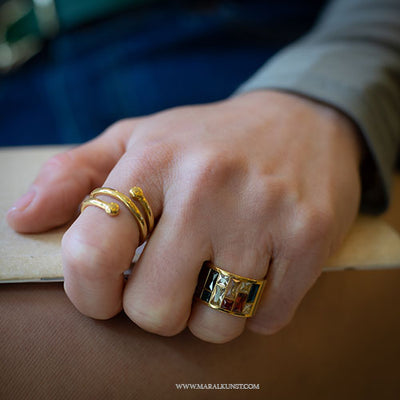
(97, 248)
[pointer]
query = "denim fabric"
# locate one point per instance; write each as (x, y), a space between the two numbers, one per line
(143, 61)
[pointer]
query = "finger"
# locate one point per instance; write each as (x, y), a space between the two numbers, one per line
(281, 297)
(159, 293)
(65, 179)
(218, 327)
(292, 273)
(98, 248)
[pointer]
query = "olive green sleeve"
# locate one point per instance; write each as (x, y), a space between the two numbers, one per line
(351, 61)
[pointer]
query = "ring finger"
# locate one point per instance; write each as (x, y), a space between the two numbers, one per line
(214, 325)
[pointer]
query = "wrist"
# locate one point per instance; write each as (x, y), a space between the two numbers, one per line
(287, 103)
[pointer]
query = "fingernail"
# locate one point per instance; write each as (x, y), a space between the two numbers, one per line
(23, 202)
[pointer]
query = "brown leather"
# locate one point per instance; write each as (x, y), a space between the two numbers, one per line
(342, 344)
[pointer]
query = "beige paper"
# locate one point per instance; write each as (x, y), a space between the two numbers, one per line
(371, 244)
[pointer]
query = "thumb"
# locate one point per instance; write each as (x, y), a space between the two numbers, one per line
(65, 179)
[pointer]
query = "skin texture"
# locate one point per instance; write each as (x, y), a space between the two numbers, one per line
(263, 182)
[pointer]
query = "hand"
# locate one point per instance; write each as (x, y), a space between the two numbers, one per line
(265, 181)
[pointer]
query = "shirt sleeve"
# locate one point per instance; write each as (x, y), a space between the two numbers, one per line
(351, 61)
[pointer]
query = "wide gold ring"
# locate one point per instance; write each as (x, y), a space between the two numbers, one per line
(228, 292)
(145, 224)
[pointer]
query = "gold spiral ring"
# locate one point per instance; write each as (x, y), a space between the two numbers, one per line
(137, 194)
(145, 225)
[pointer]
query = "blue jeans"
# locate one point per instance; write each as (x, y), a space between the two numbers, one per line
(141, 62)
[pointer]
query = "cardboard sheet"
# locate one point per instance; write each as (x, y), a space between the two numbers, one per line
(371, 244)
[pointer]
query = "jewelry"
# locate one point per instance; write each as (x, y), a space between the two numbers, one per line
(137, 194)
(228, 292)
(145, 225)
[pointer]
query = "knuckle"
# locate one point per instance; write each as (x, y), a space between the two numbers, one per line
(269, 194)
(216, 166)
(155, 155)
(153, 318)
(313, 224)
(207, 170)
(270, 326)
(61, 162)
(89, 261)
(213, 334)
(276, 313)
(152, 162)
(119, 126)
(151, 152)
(267, 201)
